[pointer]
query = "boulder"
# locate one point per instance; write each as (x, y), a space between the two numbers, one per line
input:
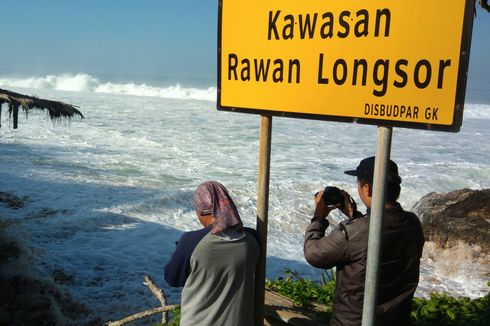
(458, 216)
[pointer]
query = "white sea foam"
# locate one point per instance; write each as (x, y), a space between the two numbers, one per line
(477, 111)
(108, 197)
(453, 270)
(88, 83)
(65, 82)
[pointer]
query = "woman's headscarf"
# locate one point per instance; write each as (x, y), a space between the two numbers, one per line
(211, 197)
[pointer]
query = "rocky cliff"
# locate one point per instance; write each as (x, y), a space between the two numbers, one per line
(455, 217)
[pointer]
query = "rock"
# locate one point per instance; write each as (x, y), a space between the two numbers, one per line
(458, 216)
(28, 299)
(11, 201)
(8, 250)
(61, 277)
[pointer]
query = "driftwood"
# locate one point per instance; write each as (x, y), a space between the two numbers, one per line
(160, 295)
(141, 315)
(15, 101)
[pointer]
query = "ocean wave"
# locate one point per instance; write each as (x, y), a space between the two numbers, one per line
(87, 83)
(477, 111)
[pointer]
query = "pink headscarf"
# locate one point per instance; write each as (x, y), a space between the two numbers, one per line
(211, 197)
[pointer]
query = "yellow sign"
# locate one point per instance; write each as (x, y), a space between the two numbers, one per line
(400, 63)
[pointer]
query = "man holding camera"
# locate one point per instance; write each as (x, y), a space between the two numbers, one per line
(346, 249)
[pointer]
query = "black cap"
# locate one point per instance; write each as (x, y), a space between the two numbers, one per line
(365, 171)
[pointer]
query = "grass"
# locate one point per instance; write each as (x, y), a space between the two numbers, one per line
(439, 309)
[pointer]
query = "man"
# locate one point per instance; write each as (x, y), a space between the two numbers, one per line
(215, 265)
(346, 249)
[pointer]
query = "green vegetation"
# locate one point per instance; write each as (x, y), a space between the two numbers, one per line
(174, 317)
(440, 309)
(304, 292)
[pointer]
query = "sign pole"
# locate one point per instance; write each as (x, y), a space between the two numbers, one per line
(376, 225)
(262, 215)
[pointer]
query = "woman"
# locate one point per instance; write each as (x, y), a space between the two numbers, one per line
(215, 265)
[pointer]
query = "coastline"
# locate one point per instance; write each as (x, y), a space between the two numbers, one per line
(26, 297)
(49, 298)
(108, 196)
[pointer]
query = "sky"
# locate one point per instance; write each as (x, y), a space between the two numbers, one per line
(110, 36)
(139, 37)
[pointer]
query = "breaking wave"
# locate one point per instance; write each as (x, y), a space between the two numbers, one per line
(477, 111)
(87, 83)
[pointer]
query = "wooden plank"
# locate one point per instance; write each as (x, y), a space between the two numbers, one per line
(280, 310)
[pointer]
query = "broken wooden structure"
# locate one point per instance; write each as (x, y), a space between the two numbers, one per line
(15, 102)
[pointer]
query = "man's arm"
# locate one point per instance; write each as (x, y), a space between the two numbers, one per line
(324, 251)
(321, 251)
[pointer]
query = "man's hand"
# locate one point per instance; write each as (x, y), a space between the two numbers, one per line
(322, 210)
(349, 205)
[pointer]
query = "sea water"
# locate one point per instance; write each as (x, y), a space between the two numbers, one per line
(108, 196)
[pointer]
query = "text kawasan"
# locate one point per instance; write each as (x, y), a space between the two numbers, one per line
(378, 74)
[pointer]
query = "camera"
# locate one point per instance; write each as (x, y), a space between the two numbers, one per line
(333, 196)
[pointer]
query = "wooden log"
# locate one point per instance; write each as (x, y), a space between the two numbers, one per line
(280, 310)
(16, 116)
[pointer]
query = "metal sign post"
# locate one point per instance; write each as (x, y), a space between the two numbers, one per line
(376, 225)
(301, 59)
(262, 215)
